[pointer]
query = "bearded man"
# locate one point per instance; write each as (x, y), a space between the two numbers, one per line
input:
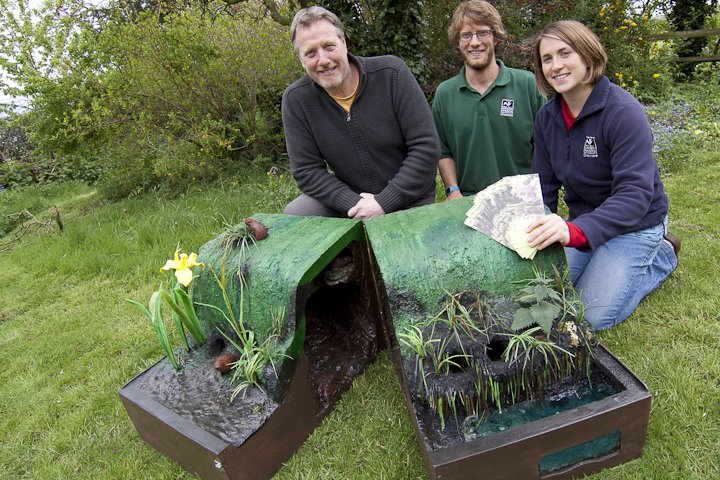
(358, 130)
(484, 115)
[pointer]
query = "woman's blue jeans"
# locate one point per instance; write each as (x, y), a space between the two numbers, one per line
(613, 278)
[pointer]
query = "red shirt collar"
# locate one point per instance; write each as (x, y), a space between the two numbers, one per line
(567, 114)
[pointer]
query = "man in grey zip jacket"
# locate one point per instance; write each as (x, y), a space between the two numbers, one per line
(365, 119)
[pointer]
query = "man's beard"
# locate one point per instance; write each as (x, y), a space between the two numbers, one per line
(480, 63)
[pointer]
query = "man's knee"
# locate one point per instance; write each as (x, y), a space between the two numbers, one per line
(307, 206)
(293, 208)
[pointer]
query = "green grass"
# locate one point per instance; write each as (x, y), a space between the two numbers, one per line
(68, 340)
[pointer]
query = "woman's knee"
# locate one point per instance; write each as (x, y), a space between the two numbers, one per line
(603, 317)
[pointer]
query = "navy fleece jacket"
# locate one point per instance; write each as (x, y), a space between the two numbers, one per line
(605, 162)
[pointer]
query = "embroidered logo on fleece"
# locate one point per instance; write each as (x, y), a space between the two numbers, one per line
(590, 148)
(507, 107)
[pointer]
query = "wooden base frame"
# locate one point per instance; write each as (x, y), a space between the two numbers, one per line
(517, 452)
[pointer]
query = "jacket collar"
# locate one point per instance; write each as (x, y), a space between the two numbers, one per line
(596, 101)
(362, 72)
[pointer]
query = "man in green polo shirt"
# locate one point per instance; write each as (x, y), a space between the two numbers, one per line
(484, 115)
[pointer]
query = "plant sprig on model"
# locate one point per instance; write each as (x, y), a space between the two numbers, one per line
(542, 301)
(252, 355)
(183, 311)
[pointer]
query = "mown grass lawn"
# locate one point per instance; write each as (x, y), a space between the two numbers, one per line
(69, 341)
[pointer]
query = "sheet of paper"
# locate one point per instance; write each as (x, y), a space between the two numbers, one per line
(503, 211)
(517, 238)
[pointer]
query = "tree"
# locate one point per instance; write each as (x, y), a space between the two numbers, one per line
(281, 16)
(372, 27)
(385, 27)
(690, 15)
(14, 144)
(151, 95)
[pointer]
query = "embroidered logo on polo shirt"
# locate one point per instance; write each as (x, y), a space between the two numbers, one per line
(590, 148)
(507, 107)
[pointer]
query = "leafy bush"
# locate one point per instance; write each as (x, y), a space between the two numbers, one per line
(21, 163)
(14, 144)
(196, 96)
(642, 67)
(704, 120)
(385, 27)
(668, 122)
(686, 121)
(15, 151)
(690, 15)
(708, 73)
(42, 170)
(443, 61)
(153, 97)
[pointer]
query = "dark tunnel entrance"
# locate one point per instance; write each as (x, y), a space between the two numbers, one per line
(344, 324)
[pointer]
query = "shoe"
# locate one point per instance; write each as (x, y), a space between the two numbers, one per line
(674, 241)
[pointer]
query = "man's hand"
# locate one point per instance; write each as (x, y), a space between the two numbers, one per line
(547, 230)
(367, 207)
(454, 195)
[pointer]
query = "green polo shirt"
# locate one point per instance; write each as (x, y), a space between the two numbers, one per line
(489, 136)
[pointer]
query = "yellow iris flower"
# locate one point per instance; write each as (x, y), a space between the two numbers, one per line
(182, 264)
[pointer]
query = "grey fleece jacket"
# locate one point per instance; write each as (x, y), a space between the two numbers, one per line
(387, 145)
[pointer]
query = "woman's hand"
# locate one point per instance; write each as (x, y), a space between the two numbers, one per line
(547, 230)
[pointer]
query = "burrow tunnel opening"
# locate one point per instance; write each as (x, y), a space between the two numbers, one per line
(342, 317)
(496, 347)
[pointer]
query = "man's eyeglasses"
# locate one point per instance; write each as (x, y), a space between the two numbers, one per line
(480, 34)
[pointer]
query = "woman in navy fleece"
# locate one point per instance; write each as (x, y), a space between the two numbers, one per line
(593, 139)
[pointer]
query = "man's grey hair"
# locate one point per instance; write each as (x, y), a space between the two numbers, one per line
(307, 16)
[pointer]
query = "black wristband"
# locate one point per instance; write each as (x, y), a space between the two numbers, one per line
(451, 189)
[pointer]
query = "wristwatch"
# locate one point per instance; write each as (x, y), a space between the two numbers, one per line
(451, 189)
